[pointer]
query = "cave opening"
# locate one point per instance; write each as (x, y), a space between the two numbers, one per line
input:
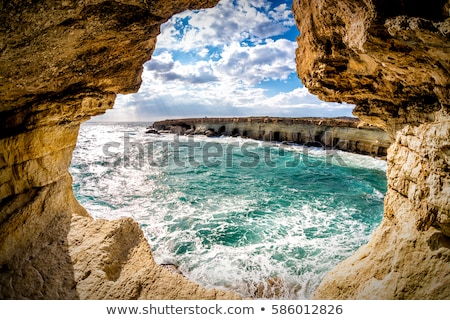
(235, 132)
(276, 136)
(248, 75)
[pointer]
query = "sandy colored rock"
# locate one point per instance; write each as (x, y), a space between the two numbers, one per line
(348, 134)
(112, 260)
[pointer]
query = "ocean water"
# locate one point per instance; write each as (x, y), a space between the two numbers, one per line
(262, 219)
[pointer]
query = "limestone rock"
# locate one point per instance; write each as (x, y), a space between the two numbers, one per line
(348, 134)
(391, 59)
(112, 260)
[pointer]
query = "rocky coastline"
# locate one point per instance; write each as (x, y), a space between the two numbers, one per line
(347, 134)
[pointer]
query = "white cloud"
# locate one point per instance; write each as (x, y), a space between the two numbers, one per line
(227, 61)
(219, 99)
(227, 22)
(248, 66)
(273, 60)
(282, 14)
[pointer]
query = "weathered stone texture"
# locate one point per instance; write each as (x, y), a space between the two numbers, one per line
(112, 260)
(391, 59)
(348, 134)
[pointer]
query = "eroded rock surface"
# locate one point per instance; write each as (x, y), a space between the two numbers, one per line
(62, 62)
(112, 260)
(348, 134)
(391, 59)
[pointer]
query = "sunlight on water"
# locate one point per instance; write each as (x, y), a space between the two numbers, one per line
(264, 220)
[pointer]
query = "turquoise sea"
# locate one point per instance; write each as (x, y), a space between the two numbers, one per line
(262, 219)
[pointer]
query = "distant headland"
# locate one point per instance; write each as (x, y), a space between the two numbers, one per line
(343, 133)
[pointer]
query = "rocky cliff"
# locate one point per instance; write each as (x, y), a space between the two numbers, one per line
(62, 62)
(391, 59)
(348, 134)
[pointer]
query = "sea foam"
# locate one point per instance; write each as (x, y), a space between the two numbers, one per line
(259, 218)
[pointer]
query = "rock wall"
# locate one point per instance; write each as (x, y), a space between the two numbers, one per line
(391, 59)
(62, 62)
(348, 134)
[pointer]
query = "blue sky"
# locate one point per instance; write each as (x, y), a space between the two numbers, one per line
(236, 59)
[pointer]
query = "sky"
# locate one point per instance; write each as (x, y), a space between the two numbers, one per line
(236, 59)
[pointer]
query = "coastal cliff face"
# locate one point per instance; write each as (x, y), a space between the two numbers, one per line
(348, 134)
(391, 59)
(62, 62)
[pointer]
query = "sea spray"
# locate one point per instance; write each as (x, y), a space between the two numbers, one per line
(262, 219)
